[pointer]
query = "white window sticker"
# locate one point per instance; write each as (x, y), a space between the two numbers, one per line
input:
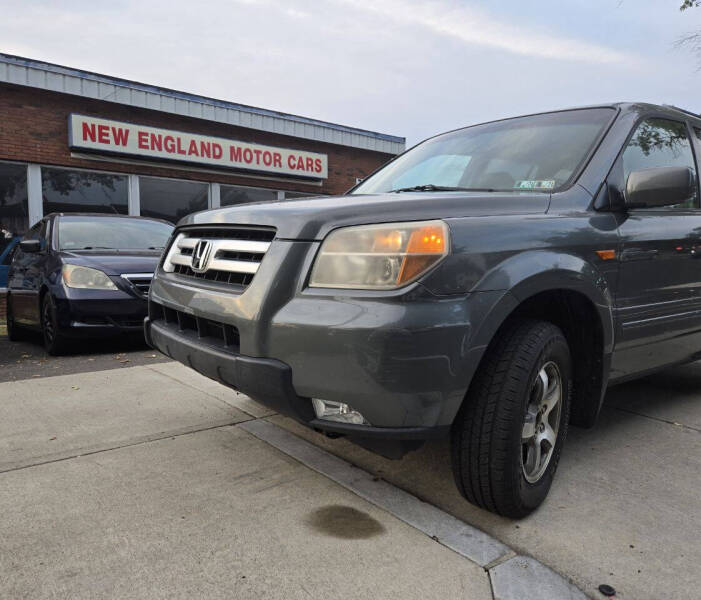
(535, 184)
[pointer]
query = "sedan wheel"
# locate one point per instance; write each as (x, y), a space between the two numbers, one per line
(54, 341)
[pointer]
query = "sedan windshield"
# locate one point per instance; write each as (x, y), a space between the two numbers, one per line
(114, 233)
(540, 153)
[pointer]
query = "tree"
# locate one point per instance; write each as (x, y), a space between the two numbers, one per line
(690, 40)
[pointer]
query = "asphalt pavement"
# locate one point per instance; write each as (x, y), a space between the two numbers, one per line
(28, 359)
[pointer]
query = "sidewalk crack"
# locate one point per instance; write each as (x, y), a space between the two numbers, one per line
(658, 419)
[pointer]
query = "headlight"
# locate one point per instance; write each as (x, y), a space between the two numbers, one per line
(75, 276)
(379, 257)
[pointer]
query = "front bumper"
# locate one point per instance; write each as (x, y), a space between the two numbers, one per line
(94, 313)
(269, 381)
(403, 358)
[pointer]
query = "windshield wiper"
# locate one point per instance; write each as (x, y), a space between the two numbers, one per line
(97, 248)
(430, 187)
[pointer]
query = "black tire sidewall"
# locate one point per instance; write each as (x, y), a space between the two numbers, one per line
(532, 494)
(55, 345)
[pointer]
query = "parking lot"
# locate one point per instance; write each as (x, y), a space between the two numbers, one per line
(125, 475)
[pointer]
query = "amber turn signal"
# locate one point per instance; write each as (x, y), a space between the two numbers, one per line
(606, 254)
(427, 240)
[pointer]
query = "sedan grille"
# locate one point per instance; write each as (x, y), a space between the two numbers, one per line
(229, 255)
(141, 282)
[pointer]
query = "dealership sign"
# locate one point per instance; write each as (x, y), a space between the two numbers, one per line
(117, 138)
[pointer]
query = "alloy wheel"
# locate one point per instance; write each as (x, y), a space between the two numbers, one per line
(542, 422)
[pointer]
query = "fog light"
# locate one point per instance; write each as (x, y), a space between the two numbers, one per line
(337, 411)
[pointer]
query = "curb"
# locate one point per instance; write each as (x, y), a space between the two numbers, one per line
(513, 577)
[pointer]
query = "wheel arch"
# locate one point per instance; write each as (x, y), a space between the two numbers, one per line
(570, 292)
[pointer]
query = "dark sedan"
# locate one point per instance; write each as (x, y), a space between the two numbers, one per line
(83, 275)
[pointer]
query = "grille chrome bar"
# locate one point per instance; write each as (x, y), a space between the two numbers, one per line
(233, 256)
(234, 266)
(178, 259)
(229, 245)
(140, 281)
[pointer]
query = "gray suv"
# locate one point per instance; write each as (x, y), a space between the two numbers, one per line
(486, 285)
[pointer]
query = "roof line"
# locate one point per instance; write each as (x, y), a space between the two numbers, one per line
(204, 100)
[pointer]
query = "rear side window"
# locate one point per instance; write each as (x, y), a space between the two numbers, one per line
(660, 143)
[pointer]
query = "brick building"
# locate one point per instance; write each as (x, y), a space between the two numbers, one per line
(72, 140)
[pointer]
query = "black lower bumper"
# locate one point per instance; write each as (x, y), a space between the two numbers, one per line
(269, 382)
(266, 380)
(101, 316)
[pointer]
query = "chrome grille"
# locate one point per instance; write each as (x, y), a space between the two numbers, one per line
(224, 255)
(140, 281)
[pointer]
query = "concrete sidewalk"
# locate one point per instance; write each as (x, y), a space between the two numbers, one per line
(141, 482)
(131, 484)
(625, 507)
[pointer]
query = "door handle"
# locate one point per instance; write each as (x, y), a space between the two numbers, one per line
(638, 254)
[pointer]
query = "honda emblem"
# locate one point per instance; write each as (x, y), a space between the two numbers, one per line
(200, 256)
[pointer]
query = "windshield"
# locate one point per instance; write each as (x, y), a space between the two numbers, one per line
(541, 152)
(96, 233)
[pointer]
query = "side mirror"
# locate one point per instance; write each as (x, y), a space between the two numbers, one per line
(30, 246)
(663, 186)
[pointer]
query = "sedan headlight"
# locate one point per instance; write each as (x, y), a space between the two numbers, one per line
(379, 257)
(75, 276)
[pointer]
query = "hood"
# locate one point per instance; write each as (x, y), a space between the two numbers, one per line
(313, 218)
(114, 262)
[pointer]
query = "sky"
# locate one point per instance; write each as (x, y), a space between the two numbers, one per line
(411, 68)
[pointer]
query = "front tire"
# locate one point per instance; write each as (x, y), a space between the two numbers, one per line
(508, 436)
(54, 341)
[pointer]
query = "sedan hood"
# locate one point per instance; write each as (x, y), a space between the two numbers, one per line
(313, 218)
(114, 262)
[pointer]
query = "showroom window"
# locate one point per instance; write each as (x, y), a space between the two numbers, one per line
(70, 191)
(83, 191)
(233, 194)
(301, 195)
(171, 199)
(14, 205)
